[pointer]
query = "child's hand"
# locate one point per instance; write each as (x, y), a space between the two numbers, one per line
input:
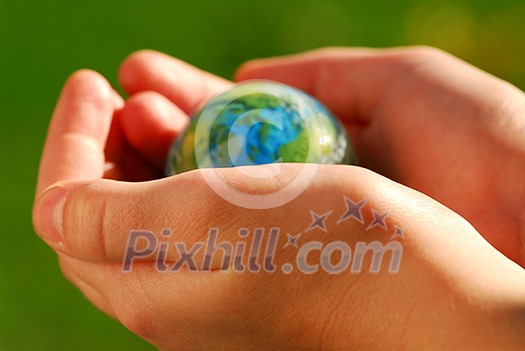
(427, 120)
(453, 290)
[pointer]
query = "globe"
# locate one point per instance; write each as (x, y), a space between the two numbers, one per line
(260, 122)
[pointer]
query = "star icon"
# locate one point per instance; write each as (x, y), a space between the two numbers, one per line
(292, 240)
(318, 221)
(352, 210)
(379, 220)
(399, 232)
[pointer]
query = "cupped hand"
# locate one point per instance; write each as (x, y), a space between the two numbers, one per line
(427, 120)
(452, 289)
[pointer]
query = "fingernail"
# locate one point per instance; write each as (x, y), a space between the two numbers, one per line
(49, 213)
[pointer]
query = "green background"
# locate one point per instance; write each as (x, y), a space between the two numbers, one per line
(41, 43)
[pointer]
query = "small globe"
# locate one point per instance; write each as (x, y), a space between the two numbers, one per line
(260, 122)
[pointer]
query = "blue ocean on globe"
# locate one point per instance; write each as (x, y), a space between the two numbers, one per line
(257, 123)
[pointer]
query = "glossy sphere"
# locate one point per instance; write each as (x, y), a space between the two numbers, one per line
(260, 122)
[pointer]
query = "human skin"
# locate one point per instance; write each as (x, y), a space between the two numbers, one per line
(416, 115)
(427, 120)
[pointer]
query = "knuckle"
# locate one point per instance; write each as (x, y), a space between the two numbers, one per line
(140, 55)
(83, 74)
(139, 99)
(140, 59)
(424, 50)
(85, 223)
(329, 51)
(410, 65)
(139, 106)
(416, 55)
(84, 80)
(192, 182)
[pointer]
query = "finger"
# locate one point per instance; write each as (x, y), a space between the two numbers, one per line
(355, 83)
(122, 162)
(78, 130)
(150, 123)
(349, 81)
(115, 144)
(115, 150)
(105, 212)
(118, 101)
(186, 86)
(98, 217)
(137, 168)
(340, 78)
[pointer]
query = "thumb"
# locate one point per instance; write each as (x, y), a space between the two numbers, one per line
(350, 82)
(93, 219)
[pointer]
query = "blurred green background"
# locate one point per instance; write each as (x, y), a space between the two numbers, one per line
(41, 43)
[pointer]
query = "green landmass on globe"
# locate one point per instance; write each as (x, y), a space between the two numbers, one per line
(260, 122)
